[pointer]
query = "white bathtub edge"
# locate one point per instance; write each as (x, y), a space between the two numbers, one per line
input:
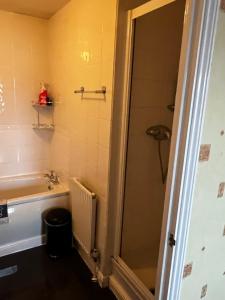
(37, 197)
(22, 245)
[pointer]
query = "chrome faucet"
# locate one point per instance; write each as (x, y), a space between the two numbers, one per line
(52, 177)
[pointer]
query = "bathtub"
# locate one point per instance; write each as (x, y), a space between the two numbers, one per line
(27, 197)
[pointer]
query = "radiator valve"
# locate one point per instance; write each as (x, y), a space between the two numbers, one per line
(95, 254)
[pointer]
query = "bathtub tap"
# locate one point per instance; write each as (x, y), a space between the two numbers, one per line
(52, 177)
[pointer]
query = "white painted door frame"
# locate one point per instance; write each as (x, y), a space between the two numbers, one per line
(198, 40)
(148, 7)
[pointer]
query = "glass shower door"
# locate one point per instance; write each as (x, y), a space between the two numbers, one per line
(156, 55)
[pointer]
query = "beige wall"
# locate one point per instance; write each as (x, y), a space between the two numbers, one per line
(23, 64)
(154, 81)
(204, 267)
(81, 53)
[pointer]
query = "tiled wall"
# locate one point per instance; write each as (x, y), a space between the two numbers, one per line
(74, 48)
(204, 272)
(23, 65)
(81, 53)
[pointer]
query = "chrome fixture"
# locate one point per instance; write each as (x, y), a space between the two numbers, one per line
(52, 177)
(95, 254)
(171, 107)
(160, 133)
(83, 91)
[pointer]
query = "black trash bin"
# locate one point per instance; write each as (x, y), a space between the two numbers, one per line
(58, 224)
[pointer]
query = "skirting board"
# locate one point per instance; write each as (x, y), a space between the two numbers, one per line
(102, 279)
(22, 245)
(125, 285)
(117, 289)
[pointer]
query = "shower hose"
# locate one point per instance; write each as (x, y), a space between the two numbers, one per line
(163, 172)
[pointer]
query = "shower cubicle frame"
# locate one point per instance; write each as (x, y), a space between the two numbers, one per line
(196, 55)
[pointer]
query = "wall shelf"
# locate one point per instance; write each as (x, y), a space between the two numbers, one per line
(37, 105)
(43, 126)
(48, 111)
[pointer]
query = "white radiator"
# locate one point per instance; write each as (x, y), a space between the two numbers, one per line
(83, 215)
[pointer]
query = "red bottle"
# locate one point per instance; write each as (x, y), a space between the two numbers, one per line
(43, 95)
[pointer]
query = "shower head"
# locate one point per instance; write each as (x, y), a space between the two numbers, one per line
(159, 132)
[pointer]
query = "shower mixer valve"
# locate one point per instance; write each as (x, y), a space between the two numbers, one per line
(159, 132)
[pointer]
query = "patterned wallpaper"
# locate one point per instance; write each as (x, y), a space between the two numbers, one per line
(204, 271)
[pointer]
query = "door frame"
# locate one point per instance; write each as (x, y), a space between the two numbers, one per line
(196, 55)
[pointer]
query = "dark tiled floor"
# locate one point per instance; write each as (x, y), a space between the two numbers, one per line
(40, 278)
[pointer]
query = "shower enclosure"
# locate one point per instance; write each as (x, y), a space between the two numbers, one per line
(157, 37)
(163, 58)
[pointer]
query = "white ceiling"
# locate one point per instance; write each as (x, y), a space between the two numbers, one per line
(37, 8)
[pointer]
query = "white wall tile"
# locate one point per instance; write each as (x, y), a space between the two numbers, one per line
(85, 58)
(23, 65)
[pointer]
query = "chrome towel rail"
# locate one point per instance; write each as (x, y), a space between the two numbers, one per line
(83, 91)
